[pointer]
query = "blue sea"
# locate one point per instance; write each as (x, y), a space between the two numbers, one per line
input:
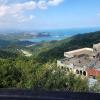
(59, 34)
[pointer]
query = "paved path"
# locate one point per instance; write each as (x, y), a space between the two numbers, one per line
(26, 53)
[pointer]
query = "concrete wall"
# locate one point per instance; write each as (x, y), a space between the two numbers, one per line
(83, 51)
(71, 68)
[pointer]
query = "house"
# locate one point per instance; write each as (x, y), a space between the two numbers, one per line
(84, 61)
(93, 72)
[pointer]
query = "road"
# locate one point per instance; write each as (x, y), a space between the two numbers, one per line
(26, 53)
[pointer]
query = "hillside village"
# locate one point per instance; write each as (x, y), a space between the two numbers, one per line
(84, 62)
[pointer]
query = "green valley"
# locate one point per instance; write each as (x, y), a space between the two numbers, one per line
(40, 71)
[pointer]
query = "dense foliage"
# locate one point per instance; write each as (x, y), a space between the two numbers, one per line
(23, 73)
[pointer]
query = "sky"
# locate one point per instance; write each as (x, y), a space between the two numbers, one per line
(49, 14)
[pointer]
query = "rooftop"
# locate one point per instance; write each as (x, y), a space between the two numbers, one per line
(78, 61)
(96, 45)
(85, 57)
(80, 51)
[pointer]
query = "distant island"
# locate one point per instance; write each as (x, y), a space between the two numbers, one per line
(19, 36)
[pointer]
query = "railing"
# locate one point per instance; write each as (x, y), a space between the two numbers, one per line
(29, 94)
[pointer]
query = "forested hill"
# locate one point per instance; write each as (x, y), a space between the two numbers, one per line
(40, 71)
(55, 50)
(51, 50)
(7, 54)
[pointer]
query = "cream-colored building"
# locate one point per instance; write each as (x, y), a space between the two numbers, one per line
(83, 51)
(78, 61)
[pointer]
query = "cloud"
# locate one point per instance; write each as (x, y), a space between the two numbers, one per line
(54, 2)
(3, 10)
(18, 11)
(42, 4)
(27, 5)
(21, 7)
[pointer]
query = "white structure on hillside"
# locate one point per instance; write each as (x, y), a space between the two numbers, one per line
(85, 61)
(83, 51)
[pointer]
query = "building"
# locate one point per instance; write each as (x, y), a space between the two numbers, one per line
(84, 62)
(86, 51)
(93, 72)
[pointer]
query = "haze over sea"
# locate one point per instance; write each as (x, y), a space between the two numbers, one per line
(59, 34)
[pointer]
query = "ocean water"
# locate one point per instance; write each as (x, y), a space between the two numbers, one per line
(60, 34)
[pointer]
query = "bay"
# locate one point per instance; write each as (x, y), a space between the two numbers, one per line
(59, 34)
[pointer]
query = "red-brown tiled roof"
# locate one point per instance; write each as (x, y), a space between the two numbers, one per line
(93, 72)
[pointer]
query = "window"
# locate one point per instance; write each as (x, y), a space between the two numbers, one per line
(84, 73)
(77, 71)
(62, 67)
(80, 72)
(68, 69)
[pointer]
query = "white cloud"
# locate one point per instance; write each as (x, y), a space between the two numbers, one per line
(17, 8)
(26, 18)
(31, 16)
(27, 5)
(42, 4)
(18, 11)
(3, 10)
(54, 2)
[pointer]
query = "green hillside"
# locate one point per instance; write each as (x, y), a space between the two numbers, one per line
(7, 54)
(51, 51)
(40, 71)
